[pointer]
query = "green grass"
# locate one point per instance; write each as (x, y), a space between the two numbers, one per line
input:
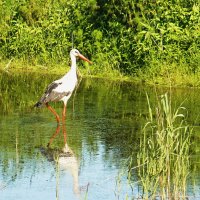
(162, 74)
(163, 158)
(131, 40)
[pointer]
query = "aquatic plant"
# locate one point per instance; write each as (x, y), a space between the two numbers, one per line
(163, 159)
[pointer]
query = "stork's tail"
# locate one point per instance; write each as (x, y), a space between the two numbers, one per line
(38, 104)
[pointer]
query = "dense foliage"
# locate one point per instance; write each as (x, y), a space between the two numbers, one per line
(126, 35)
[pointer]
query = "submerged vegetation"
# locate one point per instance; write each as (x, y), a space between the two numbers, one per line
(164, 156)
(153, 40)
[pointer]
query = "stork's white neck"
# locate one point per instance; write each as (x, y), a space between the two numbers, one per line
(73, 62)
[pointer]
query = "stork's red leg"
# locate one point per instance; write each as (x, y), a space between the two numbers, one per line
(54, 112)
(64, 113)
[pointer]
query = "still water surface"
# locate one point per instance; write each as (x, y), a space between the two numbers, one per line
(88, 157)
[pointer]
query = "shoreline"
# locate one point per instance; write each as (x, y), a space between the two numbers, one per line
(175, 79)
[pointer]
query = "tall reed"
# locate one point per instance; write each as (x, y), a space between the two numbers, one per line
(164, 152)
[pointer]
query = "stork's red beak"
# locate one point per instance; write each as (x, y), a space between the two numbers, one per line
(84, 58)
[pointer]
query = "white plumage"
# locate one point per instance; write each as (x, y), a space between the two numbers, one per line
(61, 89)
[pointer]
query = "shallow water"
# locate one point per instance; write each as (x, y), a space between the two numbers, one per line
(88, 157)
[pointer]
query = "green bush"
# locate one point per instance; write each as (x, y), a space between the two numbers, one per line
(130, 35)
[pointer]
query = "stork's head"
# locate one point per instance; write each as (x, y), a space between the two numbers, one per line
(76, 53)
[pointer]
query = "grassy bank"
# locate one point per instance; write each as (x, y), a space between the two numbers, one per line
(166, 75)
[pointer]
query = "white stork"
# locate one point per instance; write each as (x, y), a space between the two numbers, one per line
(61, 89)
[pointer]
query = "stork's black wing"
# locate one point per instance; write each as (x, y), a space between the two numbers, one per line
(51, 87)
(51, 94)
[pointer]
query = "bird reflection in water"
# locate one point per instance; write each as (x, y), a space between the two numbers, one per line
(64, 159)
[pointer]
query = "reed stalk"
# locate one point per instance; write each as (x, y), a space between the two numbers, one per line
(164, 152)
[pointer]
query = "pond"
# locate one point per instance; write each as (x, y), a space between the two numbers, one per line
(88, 157)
